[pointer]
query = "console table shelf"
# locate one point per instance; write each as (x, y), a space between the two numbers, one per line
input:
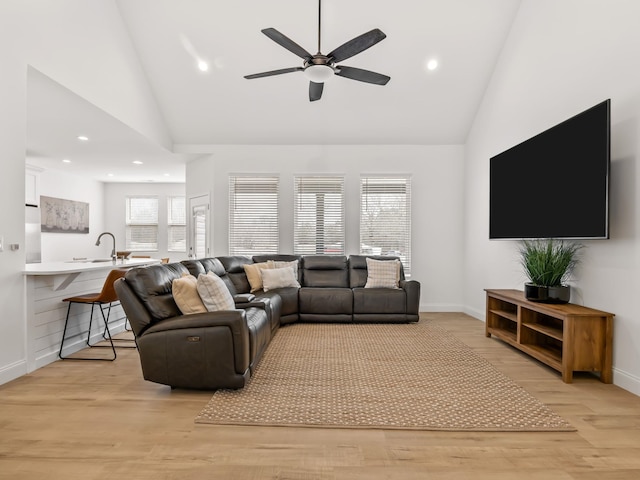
(567, 337)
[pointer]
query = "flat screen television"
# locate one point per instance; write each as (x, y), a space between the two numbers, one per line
(555, 184)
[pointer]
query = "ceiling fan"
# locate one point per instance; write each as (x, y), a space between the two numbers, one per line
(318, 68)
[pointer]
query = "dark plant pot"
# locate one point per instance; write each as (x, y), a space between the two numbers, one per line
(556, 294)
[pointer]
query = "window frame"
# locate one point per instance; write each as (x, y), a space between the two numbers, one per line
(133, 224)
(316, 215)
(381, 184)
(247, 218)
(173, 225)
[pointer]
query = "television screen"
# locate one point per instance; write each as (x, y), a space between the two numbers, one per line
(556, 184)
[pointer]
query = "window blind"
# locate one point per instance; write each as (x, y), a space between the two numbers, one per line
(253, 214)
(141, 223)
(385, 217)
(176, 224)
(318, 226)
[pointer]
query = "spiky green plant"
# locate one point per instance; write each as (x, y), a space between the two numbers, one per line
(549, 262)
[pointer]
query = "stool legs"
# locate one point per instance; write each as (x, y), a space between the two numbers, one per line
(126, 329)
(108, 333)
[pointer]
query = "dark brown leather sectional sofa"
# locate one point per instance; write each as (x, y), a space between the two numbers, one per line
(221, 349)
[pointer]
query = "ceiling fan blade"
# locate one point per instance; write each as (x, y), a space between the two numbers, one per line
(274, 72)
(287, 43)
(357, 45)
(362, 75)
(315, 91)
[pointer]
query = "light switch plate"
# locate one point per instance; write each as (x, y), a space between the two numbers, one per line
(1, 243)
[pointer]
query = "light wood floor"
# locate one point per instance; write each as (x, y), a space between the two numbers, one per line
(94, 420)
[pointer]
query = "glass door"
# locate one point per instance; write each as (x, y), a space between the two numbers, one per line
(199, 233)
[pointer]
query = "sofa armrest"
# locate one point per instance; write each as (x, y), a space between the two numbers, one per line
(233, 320)
(241, 299)
(412, 290)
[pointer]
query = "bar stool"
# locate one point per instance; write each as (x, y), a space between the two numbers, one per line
(108, 297)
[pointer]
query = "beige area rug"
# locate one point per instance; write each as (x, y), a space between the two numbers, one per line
(409, 376)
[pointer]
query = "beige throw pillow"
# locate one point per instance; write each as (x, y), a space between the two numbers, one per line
(214, 293)
(383, 273)
(279, 278)
(254, 274)
(185, 294)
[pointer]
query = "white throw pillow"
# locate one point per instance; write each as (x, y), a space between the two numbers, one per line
(254, 274)
(185, 294)
(383, 273)
(282, 264)
(214, 293)
(278, 278)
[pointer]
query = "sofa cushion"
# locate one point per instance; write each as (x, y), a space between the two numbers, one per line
(152, 285)
(234, 266)
(325, 271)
(185, 293)
(382, 273)
(325, 301)
(214, 293)
(379, 300)
(279, 278)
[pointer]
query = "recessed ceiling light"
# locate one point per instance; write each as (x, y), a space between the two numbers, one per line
(137, 162)
(203, 66)
(167, 174)
(83, 138)
(109, 174)
(66, 160)
(432, 64)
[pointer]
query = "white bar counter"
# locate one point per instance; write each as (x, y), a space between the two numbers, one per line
(70, 270)
(47, 285)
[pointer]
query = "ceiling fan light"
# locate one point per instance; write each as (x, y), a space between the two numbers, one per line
(318, 73)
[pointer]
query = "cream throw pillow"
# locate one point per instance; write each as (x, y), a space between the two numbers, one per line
(185, 294)
(383, 273)
(279, 278)
(281, 264)
(214, 293)
(254, 274)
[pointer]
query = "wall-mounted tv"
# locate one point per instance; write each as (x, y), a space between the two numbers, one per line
(556, 184)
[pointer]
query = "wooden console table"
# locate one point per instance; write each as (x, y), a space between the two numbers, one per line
(567, 337)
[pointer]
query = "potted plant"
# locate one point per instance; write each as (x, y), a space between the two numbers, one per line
(548, 263)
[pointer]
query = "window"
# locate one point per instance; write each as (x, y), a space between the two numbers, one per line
(385, 217)
(142, 224)
(318, 226)
(176, 224)
(253, 215)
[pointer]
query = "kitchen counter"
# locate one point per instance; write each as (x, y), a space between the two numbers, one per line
(78, 266)
(66, 272)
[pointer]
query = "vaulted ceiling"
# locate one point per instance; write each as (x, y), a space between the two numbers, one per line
(219, 106)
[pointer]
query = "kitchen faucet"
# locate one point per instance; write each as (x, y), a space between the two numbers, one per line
(113, 252)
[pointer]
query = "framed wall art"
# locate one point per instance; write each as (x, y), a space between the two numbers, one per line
(63, 216)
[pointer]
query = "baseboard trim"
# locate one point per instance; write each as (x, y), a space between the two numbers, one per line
(479, 314)
(441, 307)
(12, 371)
(626, 381)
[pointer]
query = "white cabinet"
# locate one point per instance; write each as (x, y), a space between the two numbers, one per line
(32, 185)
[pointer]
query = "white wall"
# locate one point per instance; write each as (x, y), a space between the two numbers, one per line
(560, 58)
(104, 69)
(64, 246)
(115, 215)
(437, 200)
